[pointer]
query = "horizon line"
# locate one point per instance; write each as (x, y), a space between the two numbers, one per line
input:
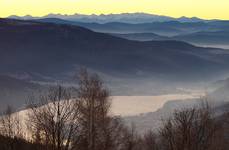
(106, 14)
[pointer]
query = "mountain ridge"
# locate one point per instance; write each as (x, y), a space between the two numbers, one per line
(137, 17)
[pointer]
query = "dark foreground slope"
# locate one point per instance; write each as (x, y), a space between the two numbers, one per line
(7, 143)
(51, 49)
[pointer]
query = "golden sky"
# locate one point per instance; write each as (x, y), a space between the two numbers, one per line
(209, 9)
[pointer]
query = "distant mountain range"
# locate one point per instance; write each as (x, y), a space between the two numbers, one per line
(210, 34)
(123, 17)
(141, 27)
(168, 28)
(55, 49)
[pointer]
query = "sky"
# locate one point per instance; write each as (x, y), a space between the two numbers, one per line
(207, 9)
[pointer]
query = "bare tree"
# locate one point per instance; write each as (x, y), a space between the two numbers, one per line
(53, 120)
(98, 130)
(191, 129)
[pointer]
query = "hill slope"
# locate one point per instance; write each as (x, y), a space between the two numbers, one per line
(15, 92)
(216, 38)
(142, 36)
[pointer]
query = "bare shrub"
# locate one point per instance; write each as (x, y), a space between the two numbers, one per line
(10, 125)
